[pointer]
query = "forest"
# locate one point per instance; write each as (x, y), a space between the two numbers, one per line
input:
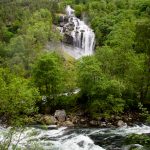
(113, 81)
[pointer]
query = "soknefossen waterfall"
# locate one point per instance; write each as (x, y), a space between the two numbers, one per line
(83, 37)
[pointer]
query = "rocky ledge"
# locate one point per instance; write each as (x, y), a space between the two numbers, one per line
(60, 118)
(66, 27)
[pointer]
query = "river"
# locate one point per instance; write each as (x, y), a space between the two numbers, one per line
(63, 138)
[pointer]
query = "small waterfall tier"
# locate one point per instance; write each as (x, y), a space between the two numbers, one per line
(77, 33)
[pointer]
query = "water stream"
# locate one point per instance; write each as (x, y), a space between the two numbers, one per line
(82, 35)
(64, 138)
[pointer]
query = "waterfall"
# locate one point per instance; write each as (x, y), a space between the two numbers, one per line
(83, 37)
(69, 11)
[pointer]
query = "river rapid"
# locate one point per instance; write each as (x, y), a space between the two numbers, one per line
(63, 138)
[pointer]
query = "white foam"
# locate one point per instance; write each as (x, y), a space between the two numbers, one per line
(32, 136)
(132, 130)
(80, 142)
(123, 131)
(61, 139)
(83, 36)
(69, 11)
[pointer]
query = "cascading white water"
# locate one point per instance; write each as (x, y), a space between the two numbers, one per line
(72, 139)
(69, 11)
(83, 35)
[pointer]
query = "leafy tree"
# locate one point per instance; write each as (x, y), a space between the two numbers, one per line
(89, 70)
(17, 97)
(48, 74)
(122, 35)
(102, 95)
(143, 45)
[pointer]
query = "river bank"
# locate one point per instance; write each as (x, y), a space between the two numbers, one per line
(79, 119)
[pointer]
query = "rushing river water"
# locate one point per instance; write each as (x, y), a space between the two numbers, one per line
(64, 138)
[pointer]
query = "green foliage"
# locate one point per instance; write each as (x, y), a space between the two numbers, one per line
(140, 139)
(6, 34)
(89, 74)
(48, 74)
(144, 112)
(40, 26)
(102, 94)
(17, 96)
(79, 10)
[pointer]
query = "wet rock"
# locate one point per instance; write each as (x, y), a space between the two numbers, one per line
(121, 123)
(118, 118)
(94, 123)
(112, 117)
(83, 120)
(68, 124)
(48, 120)
(61, 18)
(109, 124)
(128, 119)
(53, 119)
(70, 26)
(81, 144)
(103, 124)
(68, 39)
(75, 119)
(61, 24)
(66, 19)
(82, 31)
(60, 115)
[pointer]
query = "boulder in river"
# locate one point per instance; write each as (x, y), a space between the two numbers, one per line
(60, 115)
(48, 120)
(94, 123)
(68, 124)
(121, 123)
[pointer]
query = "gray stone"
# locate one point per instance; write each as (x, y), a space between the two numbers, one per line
(68, 39)
(68, 124)
(60, 115)
(103, 124)
(117, 118)
(93, 122)
(48, 120)
(61, 18)
(82, 30)
(121, 123)
(61, 24)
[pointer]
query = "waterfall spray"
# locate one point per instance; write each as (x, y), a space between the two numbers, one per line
(83, 36)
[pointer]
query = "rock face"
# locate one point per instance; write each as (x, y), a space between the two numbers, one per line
(60, 115)
(68, 39)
